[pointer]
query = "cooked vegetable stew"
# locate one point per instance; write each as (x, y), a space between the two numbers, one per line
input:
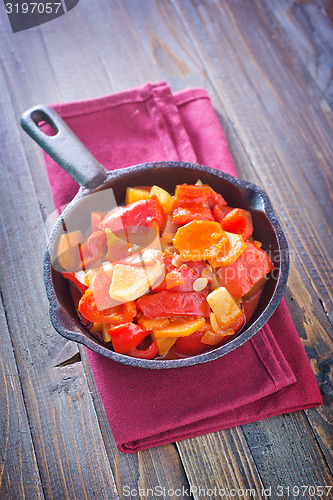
(166, 276)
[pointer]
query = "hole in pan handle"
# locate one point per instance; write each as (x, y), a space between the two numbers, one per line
(64, 146)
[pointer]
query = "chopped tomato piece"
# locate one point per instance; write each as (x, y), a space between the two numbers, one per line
(192, 211)
(196, 192)
(194, 202)
(250, 267)
(165, 304)
(238, 221)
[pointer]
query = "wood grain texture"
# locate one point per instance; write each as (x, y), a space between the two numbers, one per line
(221, 462)
(309, 29)
(300, 460)
(245, 66)
(254, 76)
(149, 469)
(69, 449)
(19, 476)
(70, 83)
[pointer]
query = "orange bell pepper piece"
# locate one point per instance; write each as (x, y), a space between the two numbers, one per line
(173, 278)
(180, 328)
(212, 338)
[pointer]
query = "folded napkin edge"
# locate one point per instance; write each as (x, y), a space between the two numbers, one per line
(167, 437)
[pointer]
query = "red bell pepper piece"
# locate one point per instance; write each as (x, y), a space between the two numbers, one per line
(194, 202)
(116, 315)
(197, 265)
(140, 213)
(191, 345)
(165, 304)
(239, 277)
(77, 283)
(93, 249)
(148, 353)
(238, 324)
(194, 192)
(185, 212)
(220, 211)
(126, 337)
(188, 276)
(238, 221)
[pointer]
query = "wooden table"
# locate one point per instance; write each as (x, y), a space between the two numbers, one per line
(268, 68)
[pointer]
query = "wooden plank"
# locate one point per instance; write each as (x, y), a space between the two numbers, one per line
(153, 469)
(299, 461)
(19, 476)
(309, 28)
(313, 329)
(69, 448)
(221, 463)
(275, 108)
(149, 468)
(141, 471)
(219, 32)
(156, 48)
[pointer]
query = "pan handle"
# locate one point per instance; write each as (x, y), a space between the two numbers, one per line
(64, 147)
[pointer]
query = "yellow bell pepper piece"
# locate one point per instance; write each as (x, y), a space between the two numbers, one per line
(213, 338)
(164, 344)
(105, 334)
(68, 250)
(96, 327)
(135, 194)
(165, 198)
(224, 307)
(180, 328)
